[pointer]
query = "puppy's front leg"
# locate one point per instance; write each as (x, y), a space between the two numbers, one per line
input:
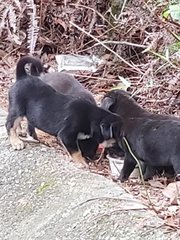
(32, 132)
(128, 167)
(20, 131)
(12, 126)
(70, 142)
(149, 172)
(78, 158)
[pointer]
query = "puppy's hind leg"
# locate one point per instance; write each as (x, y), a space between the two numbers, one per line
(70, 142)
(11, 125)
(20, 131)
(31, 136)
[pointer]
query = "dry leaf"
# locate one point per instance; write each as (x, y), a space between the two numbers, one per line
(173, 209)
(156, 184)
(170, 221)
(172, 191)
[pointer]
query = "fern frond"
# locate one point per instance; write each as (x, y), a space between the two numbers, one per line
(33, 29)
(9, 20)
(12, 19)
(3, 19)
(18, 4)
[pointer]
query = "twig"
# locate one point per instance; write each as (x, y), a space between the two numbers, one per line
(122, 9)
(97, 78)
(114, 211)
(152, 229)
(98, 13)
(93, 21)
(9, 53)
(163, 58)
(101, 155)
(109, 49)
(121, 42)
(101, 35)
(107, 198)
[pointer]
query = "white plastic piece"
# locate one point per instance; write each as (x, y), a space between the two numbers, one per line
(116, 165)
(71, 62)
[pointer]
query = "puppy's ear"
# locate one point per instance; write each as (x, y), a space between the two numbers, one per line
(106, 130)
(107, 102)
(34, 70)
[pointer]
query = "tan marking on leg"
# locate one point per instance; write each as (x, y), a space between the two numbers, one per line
(21, 131)
(16, 143)
(78, 158)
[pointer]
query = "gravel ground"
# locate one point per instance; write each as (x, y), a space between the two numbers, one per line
(44, 196)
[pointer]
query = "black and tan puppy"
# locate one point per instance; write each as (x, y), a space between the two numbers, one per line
(67, 84)
(55, 113)
(153, 138)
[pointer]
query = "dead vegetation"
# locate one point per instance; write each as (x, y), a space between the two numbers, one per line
(133, 38)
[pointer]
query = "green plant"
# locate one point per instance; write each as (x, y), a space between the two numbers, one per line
(173, 11)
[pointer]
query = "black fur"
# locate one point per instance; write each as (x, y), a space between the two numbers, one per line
(154, 138)
(67, 84)
(64, 83)
(55, 113)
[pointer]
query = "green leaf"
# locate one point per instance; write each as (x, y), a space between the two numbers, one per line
(166, 13)
(175, 11)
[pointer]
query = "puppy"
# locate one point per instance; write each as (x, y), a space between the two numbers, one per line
(55, 113)
(67, 84)
(64, 83)
(138, 128)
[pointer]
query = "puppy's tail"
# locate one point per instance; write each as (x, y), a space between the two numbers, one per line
(20, 69)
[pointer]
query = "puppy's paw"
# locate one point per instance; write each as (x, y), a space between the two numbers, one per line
(17, 144)
(79, 159)
(23, 133)
(122, 178)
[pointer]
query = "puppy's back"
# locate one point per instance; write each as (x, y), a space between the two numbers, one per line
(67, 84)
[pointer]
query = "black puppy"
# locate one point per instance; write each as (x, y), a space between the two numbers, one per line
(144, 132)
(67, 84)
(64, 83)
(55, 113)
(125, 105)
